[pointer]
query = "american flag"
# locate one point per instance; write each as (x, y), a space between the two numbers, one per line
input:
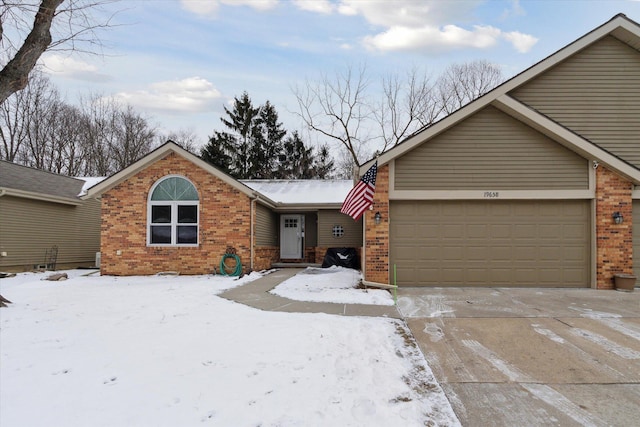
(361, 196)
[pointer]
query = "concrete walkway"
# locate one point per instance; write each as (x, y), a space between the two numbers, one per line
(256, 294)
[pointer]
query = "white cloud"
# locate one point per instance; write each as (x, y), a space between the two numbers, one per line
(318, 6)
(193, 94)
(408, 13)
(210, 7)
(522, 42)
(432, 38)
(71, 68)
(420, 25)
(515, 10)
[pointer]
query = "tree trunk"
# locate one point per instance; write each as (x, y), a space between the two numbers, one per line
(15, 74)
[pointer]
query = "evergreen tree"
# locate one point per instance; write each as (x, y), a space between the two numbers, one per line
(255, 147)
(296, 160)
(268, 144)
(244, 121)
(323, 164)
(215, 152)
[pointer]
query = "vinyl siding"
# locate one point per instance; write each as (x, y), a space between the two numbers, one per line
(29, 227)
(595, 93)
(266, 226)
(491, 150)
(352, 230)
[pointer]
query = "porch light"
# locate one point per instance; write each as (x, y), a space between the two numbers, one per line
(618, 218)
(377, 217)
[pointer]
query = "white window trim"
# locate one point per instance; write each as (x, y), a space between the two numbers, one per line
(174, 215)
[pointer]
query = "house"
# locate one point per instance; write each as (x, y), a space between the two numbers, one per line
(171, 211)
(43, 220)
(536, 183)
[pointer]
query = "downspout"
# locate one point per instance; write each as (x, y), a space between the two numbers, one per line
(3, 192)
(252, 214)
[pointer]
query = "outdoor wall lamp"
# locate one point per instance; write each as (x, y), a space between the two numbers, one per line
(377, 217)
(618, 218)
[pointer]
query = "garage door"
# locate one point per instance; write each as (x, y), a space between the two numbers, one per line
(491, 243)
(636, 238)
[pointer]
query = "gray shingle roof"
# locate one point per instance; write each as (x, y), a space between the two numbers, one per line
(23, 178)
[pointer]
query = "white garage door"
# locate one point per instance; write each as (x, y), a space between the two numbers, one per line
(491, 243)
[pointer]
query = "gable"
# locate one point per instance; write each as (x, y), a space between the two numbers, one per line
(210, 188)
(596, 94)
(490, 149)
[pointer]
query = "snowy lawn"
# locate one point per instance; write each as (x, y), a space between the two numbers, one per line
(333, 284)
(166, 351)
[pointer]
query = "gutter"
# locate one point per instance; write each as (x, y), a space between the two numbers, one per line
(38, 196)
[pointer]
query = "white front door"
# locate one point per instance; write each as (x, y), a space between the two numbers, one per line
(291, 234)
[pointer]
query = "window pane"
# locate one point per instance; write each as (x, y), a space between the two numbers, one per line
(187, 234)
(160, 234)
(175, 188)
(160, 214)
(188, 214)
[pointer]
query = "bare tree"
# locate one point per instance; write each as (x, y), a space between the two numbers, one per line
(29, 28)
(337, 107)
(134, 138)
(186, 138)
(407, 104)
(460, 84)
(343, 109)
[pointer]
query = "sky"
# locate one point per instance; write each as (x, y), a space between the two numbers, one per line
(180, 62)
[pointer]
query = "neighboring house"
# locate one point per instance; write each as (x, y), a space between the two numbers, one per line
(171, 211)
(41, 210)
(521, 187)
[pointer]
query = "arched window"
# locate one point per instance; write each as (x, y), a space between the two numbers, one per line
(173, 212)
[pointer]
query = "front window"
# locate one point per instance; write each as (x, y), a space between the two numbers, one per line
(173, 212)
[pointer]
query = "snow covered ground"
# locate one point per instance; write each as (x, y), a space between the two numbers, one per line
(333, 284)
(166, 351)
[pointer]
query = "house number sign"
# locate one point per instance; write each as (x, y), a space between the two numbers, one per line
(491, 194)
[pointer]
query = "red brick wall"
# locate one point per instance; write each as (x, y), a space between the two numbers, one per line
(614, 241)
(376, 251)
(265, 256)
(224, 221)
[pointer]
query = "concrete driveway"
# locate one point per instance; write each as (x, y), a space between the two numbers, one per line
(531, 357)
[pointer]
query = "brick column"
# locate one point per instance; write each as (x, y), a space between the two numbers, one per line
(377, 235)
(614, 245)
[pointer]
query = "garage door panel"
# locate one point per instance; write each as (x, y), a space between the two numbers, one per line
(492, 243)
(449, 232)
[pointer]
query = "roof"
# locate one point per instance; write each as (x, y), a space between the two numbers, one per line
(619, 26)
(303, 192)
(23, 181)
(277, 194)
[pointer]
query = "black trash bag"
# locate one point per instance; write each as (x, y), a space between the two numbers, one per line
(342, 257)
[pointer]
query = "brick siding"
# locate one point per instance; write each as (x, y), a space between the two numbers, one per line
(224, 221)
(614, 241)
(377, 235)
(264, 256)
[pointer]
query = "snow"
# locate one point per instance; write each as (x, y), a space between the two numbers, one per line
(89, 181)
(312, 285)
(166, 351)
(303, 191)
